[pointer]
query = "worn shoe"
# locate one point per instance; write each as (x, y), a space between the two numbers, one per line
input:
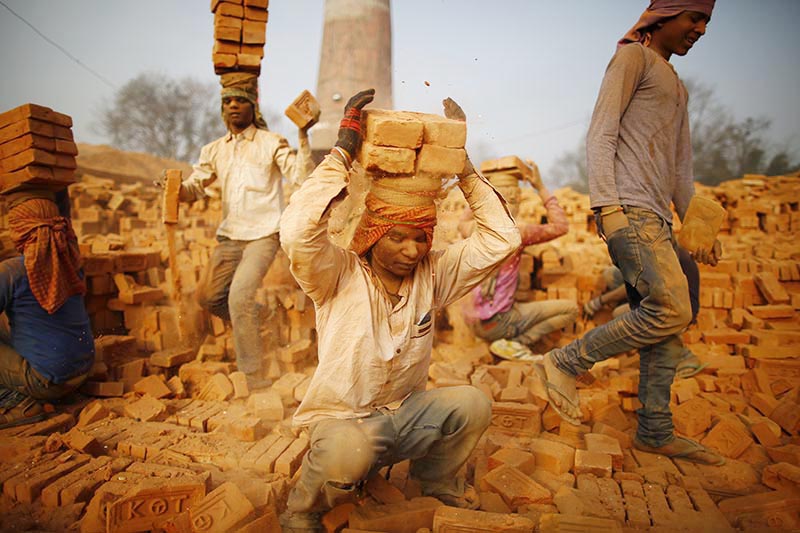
(17, 409)
(301, 522)
(683, 448)
(469, 500)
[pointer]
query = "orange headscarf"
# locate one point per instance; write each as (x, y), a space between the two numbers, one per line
(379, 217)
(50, 248)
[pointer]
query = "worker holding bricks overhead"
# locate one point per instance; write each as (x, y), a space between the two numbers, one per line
(48, 349)
(491, 310)
(246, 164)
(639, 161)
(367, 406)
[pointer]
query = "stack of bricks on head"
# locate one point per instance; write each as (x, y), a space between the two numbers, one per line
(240, 29)
(165, 435)
(36, 149)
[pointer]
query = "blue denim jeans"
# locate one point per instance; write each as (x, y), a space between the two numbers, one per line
(528, 322)
(436, 429)
(235, 272)
(646, 254)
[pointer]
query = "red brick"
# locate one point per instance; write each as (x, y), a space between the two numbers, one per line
(606, 444)
(521, 460)
(221, 510)
(152, 501)
(289, 461)
(516, 419)
(729, 438)
(515, 487)
(146, 408)
(152, 385)
(453, 520)
(551, 456)
(401, 517)
(597, 463)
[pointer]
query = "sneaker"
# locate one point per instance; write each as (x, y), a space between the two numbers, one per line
(301, 522)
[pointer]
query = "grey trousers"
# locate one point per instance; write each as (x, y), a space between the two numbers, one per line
(436, 429)
(235, 272)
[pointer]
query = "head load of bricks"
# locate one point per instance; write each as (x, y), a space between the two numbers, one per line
(219, 352)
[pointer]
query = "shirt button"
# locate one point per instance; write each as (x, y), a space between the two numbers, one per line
(398, 350)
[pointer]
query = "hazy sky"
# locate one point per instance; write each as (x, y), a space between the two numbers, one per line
(525, 71)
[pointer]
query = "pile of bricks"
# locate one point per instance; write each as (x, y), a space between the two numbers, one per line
(240, 32)
(174, 440)
(36, 148)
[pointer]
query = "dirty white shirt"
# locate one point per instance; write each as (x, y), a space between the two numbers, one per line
(373, 354)
(247, 168)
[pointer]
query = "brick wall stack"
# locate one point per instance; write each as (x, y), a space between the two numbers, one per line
(36, 148)
(240, 29)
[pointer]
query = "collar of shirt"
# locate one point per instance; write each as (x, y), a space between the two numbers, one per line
(248, 133)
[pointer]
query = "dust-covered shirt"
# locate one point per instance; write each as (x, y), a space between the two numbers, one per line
(247, 168)
(373, 354)
(638, 148)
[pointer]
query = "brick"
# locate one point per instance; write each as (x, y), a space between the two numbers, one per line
(624, 439)
(176, 387)
(401, 517)
(588, 462)
(92, 413)
(26, 125)
(441, 131)
(551, 456)
(27, 486)
(510, 165)
(145, 408)
(239, 381)
(383, 491)
(772, 289)
(81, 442)
(729, 438)
(771, 311)
(254, 32)
(787, 415)
(223, 61)
(104, 389)
(27, 141)
(153, 386)
(773, 511)
(335, 519)
(152, 501)
(255, 13)
(562, 523)
(523, 461)
(515, 487)
(229, 9)
(219, 388)
(692, 418)
(221, 510)
(266, 523)
(516, 419)
(781, 476)
(599, 443)
(453, 520)
(266, 405)
(94, 471)
(612, 415)
(286, 384)
(764, 433)
(266, 462)
(387, 160)
(392, 128)
(764, 402)
(248, 460)
(289, 461)
(303, 110)
(263, 4)
(440, 161)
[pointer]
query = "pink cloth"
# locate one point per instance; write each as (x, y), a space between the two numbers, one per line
(659, 10)
(480, 307)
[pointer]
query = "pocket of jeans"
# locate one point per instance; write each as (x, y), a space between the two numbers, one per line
(650, 229)
(624, 251)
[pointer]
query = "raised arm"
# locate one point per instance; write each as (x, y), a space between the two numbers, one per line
(557, 224)
(316, 262)
(294, 165)
(465, 264)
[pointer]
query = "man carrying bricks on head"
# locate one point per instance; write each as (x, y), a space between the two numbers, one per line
(247, 164)
(491, 310)
(48, 348)
(367, 406)
(639, 160)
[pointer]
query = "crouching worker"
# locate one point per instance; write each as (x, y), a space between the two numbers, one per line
(492, 311)
(48, 349)
(367, 406)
